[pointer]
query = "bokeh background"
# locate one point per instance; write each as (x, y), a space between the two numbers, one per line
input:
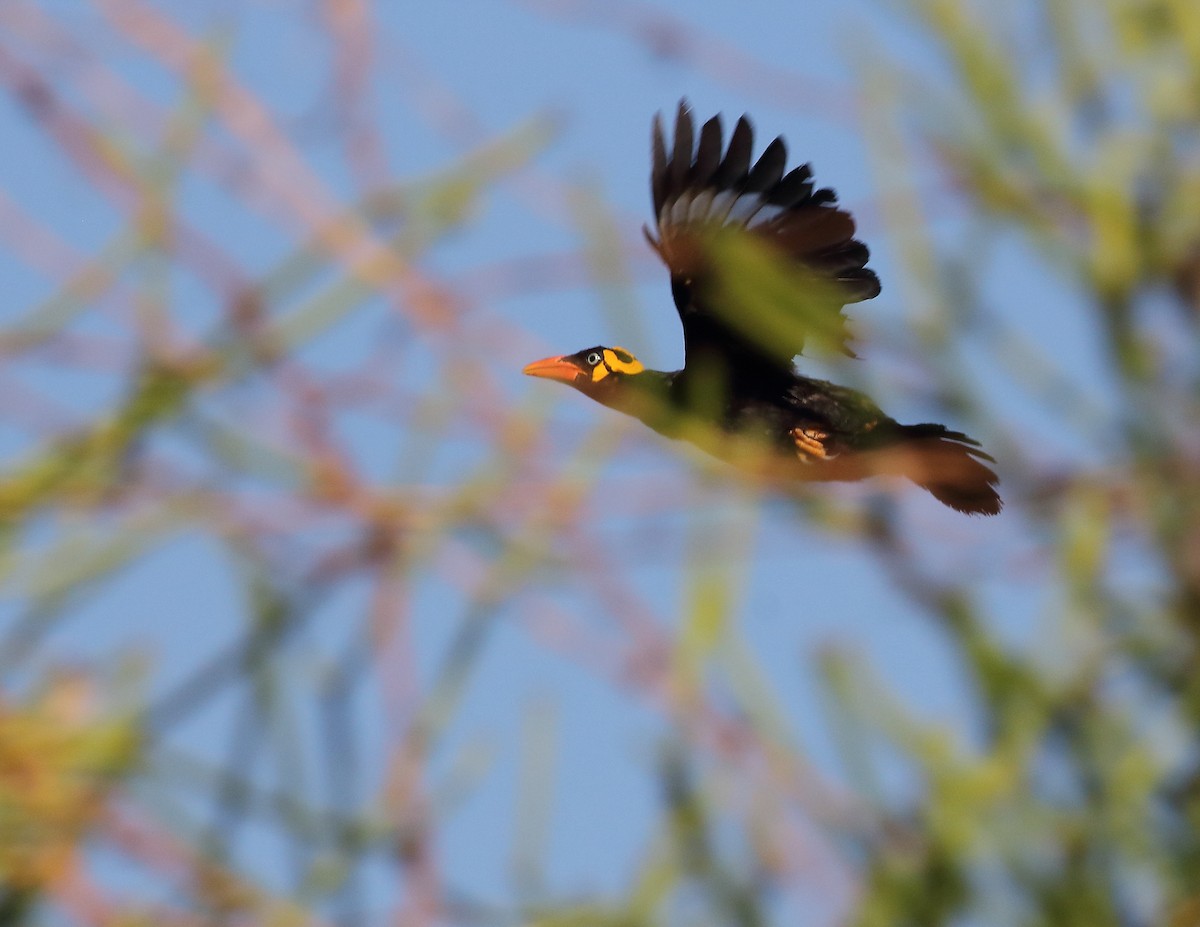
(314, 610)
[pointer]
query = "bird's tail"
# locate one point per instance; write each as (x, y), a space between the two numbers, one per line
(951, 466)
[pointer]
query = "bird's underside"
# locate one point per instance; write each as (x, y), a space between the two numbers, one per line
(815, 431)
(762, 263)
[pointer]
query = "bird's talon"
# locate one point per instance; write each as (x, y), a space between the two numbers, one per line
(808, 444)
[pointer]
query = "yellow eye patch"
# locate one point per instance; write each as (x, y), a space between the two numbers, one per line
(615, 360)
(621, 361)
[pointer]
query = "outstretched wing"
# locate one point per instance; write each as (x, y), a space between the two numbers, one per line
(760, 261)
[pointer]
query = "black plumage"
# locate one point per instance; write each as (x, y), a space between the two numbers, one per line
(712, 202)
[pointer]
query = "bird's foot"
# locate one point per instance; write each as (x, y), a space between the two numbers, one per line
(809, 446)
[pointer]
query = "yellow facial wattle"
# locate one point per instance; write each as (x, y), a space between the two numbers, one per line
(615, 360)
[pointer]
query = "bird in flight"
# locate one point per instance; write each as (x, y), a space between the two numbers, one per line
(762, 263)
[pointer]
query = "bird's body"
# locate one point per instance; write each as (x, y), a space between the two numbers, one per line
(738, 394)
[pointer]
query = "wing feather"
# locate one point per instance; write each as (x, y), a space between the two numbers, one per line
(658, 169)
(769, 169)
(796, 186)
(681, 157)
(708, 153)
(736, 163)
(701, 194)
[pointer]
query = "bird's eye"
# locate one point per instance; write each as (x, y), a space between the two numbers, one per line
(594, 358)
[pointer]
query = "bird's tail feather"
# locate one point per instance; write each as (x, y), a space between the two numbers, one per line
(951, 467)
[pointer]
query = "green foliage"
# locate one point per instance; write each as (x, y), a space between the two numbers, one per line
(59, 759)
(1070, 810)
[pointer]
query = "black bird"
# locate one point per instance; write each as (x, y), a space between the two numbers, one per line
(738, 395)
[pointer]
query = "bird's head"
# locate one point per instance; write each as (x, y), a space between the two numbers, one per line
(594, 371)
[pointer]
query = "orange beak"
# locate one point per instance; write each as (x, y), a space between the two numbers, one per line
(562, 369)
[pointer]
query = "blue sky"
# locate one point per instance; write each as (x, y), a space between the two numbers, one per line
(805, 590)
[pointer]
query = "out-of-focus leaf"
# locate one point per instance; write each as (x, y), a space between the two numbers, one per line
(59, 759)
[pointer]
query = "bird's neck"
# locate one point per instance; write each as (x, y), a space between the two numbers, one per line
(648, 396)
(671, 402)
